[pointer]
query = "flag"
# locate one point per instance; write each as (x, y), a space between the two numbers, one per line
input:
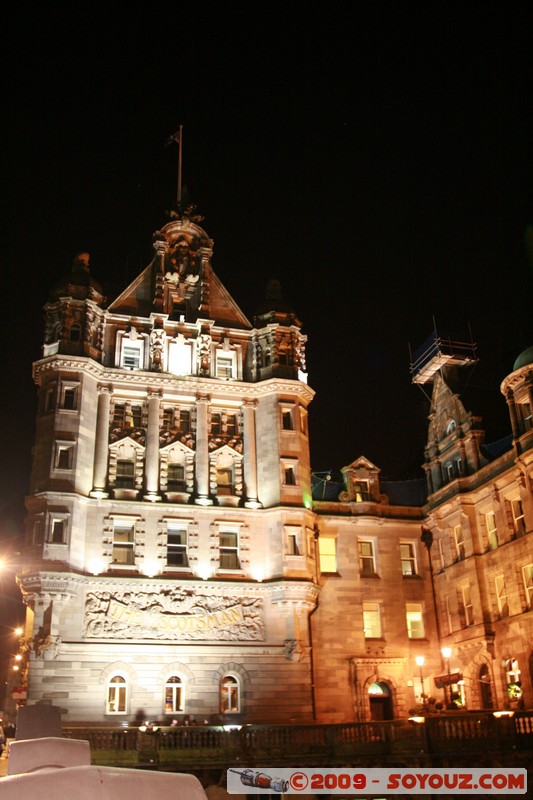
(174, 138)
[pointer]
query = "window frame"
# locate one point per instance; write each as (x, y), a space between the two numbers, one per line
(230, 688)
(411, 559)
(120, 545)
(375, 622)
(528, 585)
(501, 595)
(119, 682)
(324, 543)
(231, 552)
(468, 607)
(176, 685)
(365, 558)
(177, 527)
(459, 542)
(415, 627)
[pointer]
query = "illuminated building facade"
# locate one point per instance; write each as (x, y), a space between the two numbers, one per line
(182, 562)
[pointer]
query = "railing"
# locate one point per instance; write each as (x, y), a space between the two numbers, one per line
(319, 745)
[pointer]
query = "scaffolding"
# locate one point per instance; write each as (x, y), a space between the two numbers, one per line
(439, 351)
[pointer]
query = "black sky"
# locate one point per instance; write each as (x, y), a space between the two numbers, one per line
(376, 160)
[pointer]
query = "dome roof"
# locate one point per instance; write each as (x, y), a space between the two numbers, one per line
(525, 358)
(78, 283)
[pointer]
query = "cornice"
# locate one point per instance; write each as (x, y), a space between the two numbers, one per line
(160, 381)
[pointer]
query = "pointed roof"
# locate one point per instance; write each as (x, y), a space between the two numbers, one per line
(180, 279)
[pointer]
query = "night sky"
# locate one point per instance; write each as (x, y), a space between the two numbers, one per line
(377, 161)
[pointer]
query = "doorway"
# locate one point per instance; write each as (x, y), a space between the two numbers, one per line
(380, 698)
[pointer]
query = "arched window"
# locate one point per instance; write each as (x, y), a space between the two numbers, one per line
(230, 701)
(117, 695)
(174, 695)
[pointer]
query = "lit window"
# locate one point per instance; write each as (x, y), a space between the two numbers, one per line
(372, 621)
(125, 474)
(519, 523)
(225, 482)
(492, 531)
(176, 478)
(407, 553)
(176, 546)
(501, 595)
(467, 606)
(179, 358)
(117, 695)
(168, 419)
(174, 695)
(527, 574)
(459, 542)
(229, 695)
(123, 543)
(415, 621)
(367, 561)
(361, 490)
(229, 550)
(327, 553)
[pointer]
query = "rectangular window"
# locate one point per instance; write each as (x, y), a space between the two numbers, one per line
(125, 474)
(525, 413)
(225, 483)
(492, 532)
(224, 366)
(49, 398)
(185, 421)
(69, 398)
(459, 543)
(361, 491)
(131, 356)
(501, 595)
(292, 544)
(229, 550)
(519, 523)
(527, 575)
(367, 560)
(286, 419)
(64, 454)
(289, 476)
(415, 620)
(467, 607)
(408, 557)
(176, 478)
(58, 529)
(168, 419)
(177, 546)
(216, 424)
(372, 621)
(37, 532)
(123, 543)
(327, 554)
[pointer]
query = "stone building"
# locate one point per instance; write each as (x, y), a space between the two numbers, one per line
(182, 561)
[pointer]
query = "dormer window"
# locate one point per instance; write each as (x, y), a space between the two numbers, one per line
(131, 357)
(225, 365)
(130, 347)
(361, 490)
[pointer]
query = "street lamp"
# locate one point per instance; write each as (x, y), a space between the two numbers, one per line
(420, 663)
(446, 654)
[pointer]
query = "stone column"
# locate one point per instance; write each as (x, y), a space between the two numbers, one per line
(101, 445)
(202, 452)
(515, 425)
(151, 464)
(250, 454)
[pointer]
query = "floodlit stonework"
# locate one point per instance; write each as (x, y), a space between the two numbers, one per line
(182, 561)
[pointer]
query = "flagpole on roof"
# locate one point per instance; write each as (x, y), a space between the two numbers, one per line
(180, 140)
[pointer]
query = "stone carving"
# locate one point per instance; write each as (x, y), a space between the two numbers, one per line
(203, 351)
(173, 613)
(157, 342)
(47, 649)
(292, 650)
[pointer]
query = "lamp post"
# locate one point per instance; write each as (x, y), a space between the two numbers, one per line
(420, 663)
(446, 654)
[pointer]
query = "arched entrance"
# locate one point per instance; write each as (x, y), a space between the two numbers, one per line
(380, 698)
(485, 687)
